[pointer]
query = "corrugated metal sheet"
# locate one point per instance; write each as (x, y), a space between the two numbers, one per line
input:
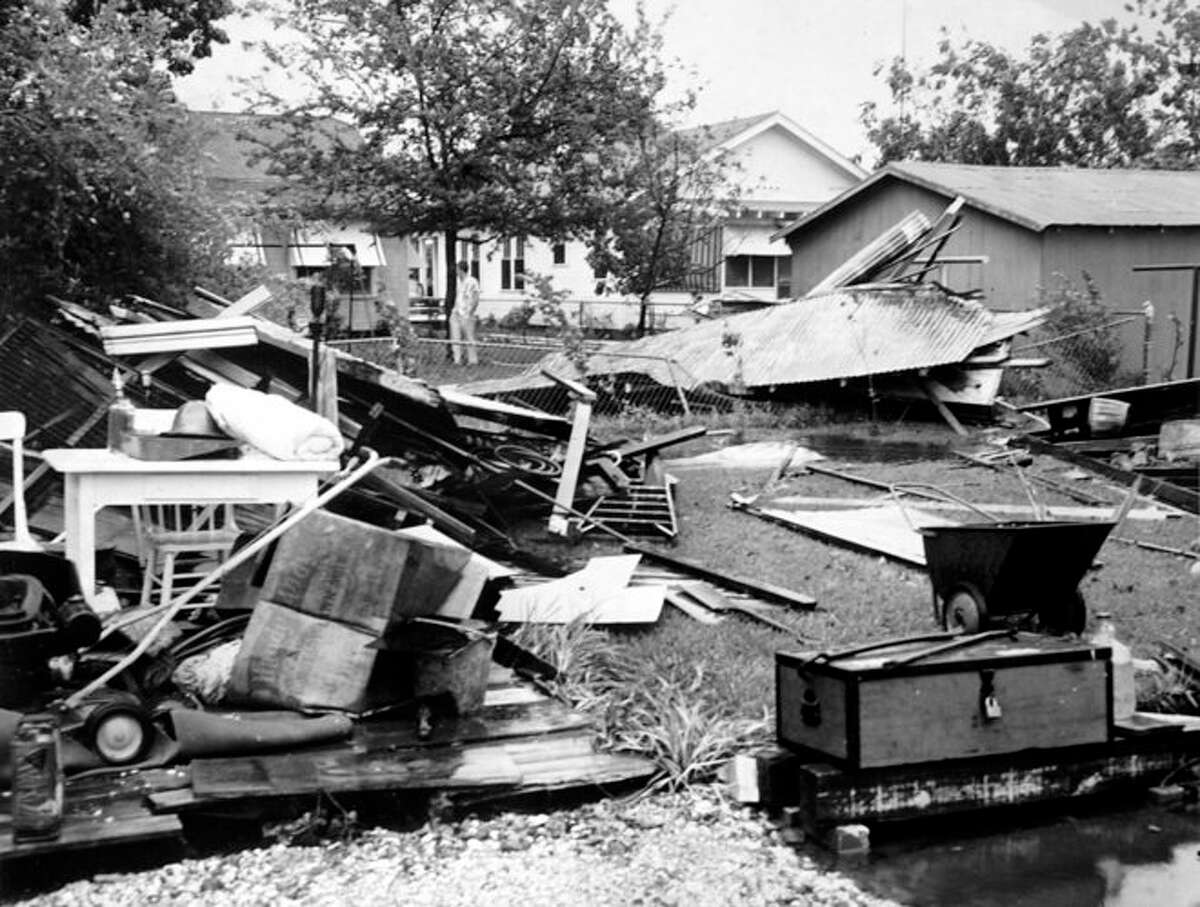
(1010, 324)
(845, 334)
(883, 248)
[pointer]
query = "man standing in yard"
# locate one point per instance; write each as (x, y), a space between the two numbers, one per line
(462, 319)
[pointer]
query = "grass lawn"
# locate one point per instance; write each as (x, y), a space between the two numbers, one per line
(721, 678)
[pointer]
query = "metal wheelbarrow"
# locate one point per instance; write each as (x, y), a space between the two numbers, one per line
(983, 572)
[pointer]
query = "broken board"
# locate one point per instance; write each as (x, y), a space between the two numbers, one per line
(521, 740)
(829, 796)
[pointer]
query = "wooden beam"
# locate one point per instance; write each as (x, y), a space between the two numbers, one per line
(765, 591)
(828, 795)
(1183, 498)
(564, 495)
(943, 410)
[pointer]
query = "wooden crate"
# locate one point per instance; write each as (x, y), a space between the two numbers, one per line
(864, 712)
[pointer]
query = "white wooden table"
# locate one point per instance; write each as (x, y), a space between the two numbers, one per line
(96, 478)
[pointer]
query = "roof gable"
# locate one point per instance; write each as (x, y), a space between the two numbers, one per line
(728, 135)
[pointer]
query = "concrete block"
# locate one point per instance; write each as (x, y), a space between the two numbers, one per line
(848, 840)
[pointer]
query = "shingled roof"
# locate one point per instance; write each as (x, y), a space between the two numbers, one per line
(1041, 197)
(232, 144)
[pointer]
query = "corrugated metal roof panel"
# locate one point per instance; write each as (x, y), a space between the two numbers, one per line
(846, 334)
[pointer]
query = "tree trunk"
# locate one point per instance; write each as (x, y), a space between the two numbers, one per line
(643, 309)
(450, 241)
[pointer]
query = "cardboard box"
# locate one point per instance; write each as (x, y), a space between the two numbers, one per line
(335, 567)
(294, 660)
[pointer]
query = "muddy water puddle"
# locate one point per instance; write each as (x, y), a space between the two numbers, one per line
(868, 449)
(1127, 858)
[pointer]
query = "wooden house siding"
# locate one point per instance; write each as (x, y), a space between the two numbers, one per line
(1021, 262)
(1009, 279)
(1109, 255)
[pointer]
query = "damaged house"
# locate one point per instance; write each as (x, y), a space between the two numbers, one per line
(1025, 228)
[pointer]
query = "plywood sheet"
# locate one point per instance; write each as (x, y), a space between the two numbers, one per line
(888, 530)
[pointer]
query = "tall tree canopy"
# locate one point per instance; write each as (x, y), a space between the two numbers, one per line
(478, 118)
(191, 24)
(1099, 95)
(101, 193)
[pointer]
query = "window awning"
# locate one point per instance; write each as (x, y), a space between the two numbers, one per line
(310, 249)
(751, 240)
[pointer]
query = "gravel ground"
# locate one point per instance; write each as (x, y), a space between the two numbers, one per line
(664, 849)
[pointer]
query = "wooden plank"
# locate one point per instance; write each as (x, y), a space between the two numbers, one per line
(178, 336)
(586, 770)
(101, 810)
(496, 722)
(343, 770)
(564, 495)
(1183, 498)
(692, 609)
(764, 591)
(830, 796)
(651, 445)
(88, 832)
(943, 410)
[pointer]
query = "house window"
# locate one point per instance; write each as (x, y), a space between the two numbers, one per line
(783, 277)
(559, 251)
(469, 252)
(605, 284)
(737, 271)
(512, 264)
(344, 277)
(758, 271)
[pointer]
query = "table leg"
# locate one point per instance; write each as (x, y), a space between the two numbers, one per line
(79, 521)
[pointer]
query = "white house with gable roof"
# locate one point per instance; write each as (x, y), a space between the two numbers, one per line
(781, 170)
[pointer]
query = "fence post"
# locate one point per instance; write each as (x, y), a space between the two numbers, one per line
(1147, 339)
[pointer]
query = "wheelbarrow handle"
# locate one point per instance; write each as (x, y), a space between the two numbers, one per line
(883, 644)
(961, 643)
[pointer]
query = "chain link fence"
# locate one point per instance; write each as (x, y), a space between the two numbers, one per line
(1116, 352)
(1082, 361)
(507, 369)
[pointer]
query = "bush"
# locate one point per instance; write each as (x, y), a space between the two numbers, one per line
(671, 695)
(1080, 339)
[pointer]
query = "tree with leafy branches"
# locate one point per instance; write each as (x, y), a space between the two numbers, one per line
(191, 30)
(663, 196)
(1100, 95)
(101, 191)
(479, 119)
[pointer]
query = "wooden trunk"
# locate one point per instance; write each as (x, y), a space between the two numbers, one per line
(997, 696)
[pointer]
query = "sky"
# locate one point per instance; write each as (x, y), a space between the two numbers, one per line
(812, 60)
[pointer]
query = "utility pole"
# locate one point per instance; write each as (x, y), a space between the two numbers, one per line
(1195, 313)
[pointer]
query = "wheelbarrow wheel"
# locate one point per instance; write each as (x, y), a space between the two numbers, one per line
(965, 609)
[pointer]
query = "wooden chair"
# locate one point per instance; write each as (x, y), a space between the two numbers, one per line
(175, 540)
(12, 430)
